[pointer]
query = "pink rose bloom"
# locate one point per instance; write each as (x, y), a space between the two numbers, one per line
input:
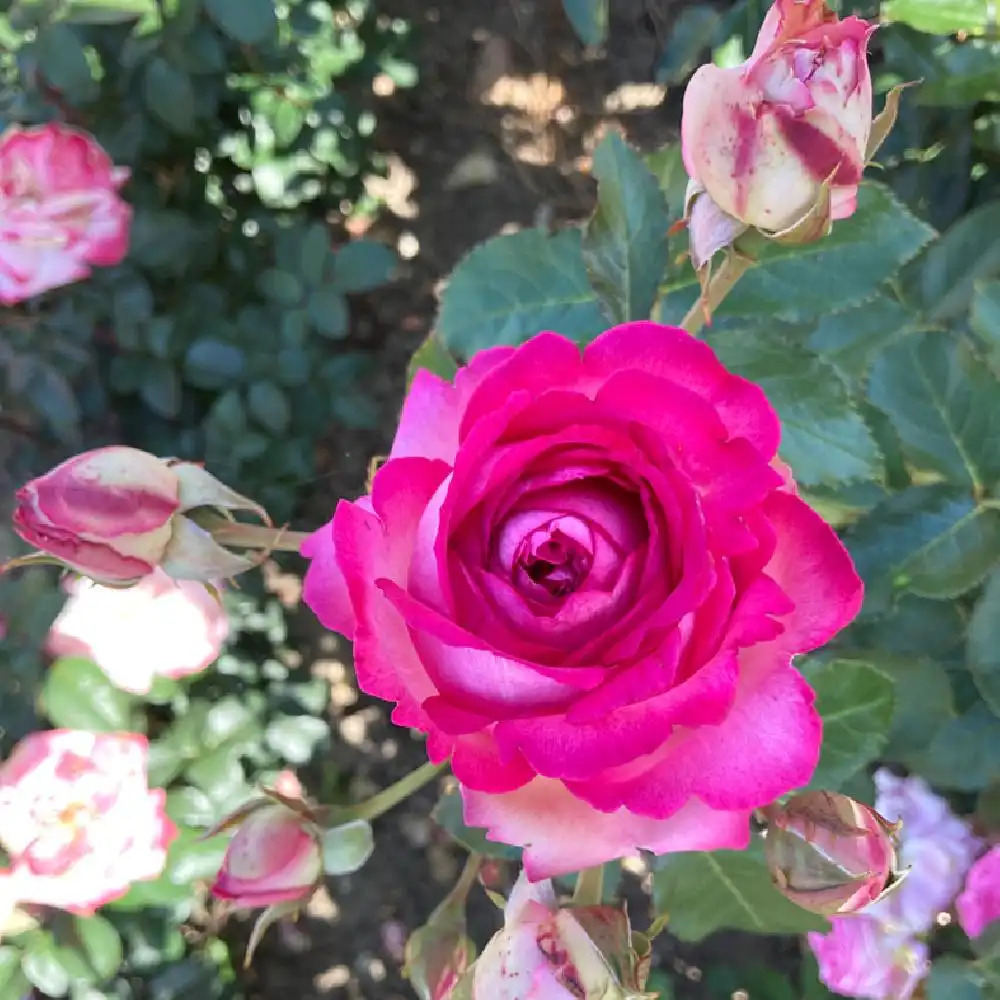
(860, 958)
(935, 845)
(979, 904)
(60, 211)
(274, 857)
(762, 138)
(580, 573)
(158, 628)
(78, 819)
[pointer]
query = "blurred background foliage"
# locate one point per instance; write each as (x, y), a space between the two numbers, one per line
(251, 128)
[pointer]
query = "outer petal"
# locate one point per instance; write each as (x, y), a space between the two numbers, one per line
(561, 833)
(325, 589)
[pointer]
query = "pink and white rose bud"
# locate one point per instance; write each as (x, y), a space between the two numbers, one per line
(860, 957)
(830, 854)
(158, 628)
(978, 905)
(276, 856)
(780, 142)
(546, 953)
(114, 514)
(78, 820)
(60, 211)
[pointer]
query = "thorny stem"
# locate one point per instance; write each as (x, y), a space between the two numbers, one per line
(589, 887)
(389, 797)
(719, 286)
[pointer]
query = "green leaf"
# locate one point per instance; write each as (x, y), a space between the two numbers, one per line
(932, 540)
(692, 33)
(281, 287)
(823, 439)
(193, 858)
(851, 339)
(249, 22)
(328, 313)
(964, 754)
(169, 94)
(296, 737)
(447, 813)
(625, 243)
(855, 701)
(346, 848)
(434, 357)
(44, 967)
(213, 364)
(77, 695)
(952, 979)
(269, 406)
(161, 388)
(983, 644)
(108, 11)
(707, 891)
(943, 279)
(101, 944)
(801, 283)
(945, 406)
(511, 287)
(314, 251)
(589, 19)
(667, 166)
(362, 265)
(985, 319)
(63, 62)
(938, 17)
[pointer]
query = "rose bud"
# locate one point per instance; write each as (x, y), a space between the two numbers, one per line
(116, 513)
(830, 854)
(545, 952)
(780, 142)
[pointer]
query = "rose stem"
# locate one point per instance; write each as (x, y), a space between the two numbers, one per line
(719, 286)
(589, 887)
(383, 801)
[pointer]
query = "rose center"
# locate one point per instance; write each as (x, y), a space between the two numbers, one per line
(555, 557)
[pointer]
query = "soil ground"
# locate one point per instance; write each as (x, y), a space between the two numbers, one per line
(498, 133)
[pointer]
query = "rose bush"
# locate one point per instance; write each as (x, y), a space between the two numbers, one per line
(60, 211)
(584, 576)
(78, 820)
(761, 139)
(158, 628)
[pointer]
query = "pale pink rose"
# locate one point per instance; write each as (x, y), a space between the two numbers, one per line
(859, 957)
(275, 856)
(158, 628)
(763, 137)
(581, 576)
(114, 514)
(542, 953)
(978, 905)
(60, 211)
(78, 819)
(935, 845)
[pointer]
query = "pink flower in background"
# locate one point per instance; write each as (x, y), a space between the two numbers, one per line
(582, 575)
(60, 211)
(762, 138)
(78, 820)
(978, 905)
(861, 958)
(935, 845)
(158, 628)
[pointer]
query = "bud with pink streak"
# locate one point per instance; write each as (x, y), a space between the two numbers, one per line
(60, 211)
(781, 141)
(114, 514)
(978, 905)
(78, 819)
(158, 628)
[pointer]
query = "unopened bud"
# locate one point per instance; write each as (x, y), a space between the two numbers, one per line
(830, 854)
